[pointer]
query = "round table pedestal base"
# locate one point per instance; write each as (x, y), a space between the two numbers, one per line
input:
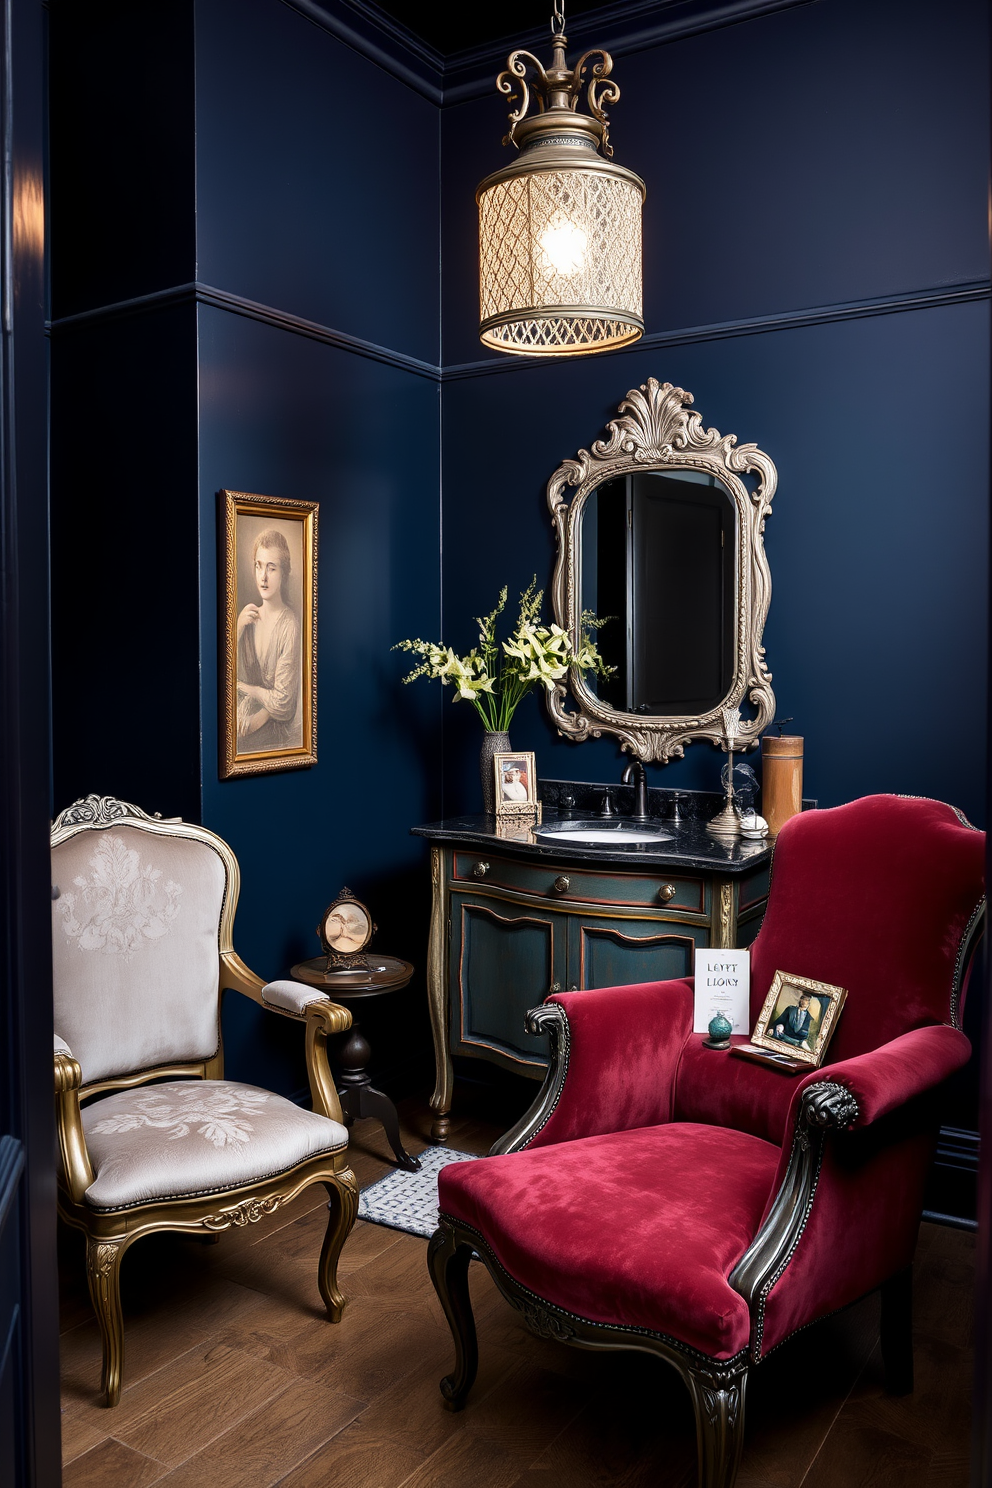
(359, 1098)
(352, 1054)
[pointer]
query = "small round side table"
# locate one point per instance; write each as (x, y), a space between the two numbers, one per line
(358, 1098)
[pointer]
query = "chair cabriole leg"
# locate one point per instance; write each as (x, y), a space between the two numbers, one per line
(718, 1400)
(103, 1270)
(897, 1332)
(448, 1263)
(342, 1209)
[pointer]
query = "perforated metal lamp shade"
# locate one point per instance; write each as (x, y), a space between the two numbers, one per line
(559, 229)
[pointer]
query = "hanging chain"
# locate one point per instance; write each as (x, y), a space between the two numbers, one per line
(558, 18)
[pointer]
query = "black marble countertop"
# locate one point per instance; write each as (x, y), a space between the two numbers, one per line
(691, 847)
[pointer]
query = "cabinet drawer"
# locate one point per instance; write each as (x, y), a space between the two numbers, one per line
(590, 885)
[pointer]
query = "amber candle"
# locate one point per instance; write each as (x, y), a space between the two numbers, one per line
(781, 780)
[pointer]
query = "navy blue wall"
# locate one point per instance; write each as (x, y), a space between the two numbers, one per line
(832, 155)
(316, 189)
(826, 155)
(317, 196)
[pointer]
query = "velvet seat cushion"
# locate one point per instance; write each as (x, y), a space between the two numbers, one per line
(639, 1228)
(189, 1137)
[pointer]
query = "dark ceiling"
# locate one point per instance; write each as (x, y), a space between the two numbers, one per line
(453, 29)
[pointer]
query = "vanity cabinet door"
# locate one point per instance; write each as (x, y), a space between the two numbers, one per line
(610, 952)
(504, 959)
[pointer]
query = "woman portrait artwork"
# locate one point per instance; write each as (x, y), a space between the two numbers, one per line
(269, 653)
(268, 628)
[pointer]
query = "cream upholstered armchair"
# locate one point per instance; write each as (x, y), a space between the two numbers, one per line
(142, 916)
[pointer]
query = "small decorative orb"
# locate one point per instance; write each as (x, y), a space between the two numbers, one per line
(720, 1028)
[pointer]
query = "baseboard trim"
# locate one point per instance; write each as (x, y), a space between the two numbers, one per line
(952, 1221)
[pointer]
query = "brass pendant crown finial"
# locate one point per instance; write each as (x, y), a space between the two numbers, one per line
(555, 90)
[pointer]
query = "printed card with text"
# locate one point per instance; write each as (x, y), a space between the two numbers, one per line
(723, 985)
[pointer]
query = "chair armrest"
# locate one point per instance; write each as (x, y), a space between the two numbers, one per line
(894, 1073)
(295, 1000)
(236, 975)
(614, 1055)
(76, 1164)
(866, 1179)
(323, 1017)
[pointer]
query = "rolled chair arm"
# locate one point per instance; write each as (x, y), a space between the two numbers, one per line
(836, 1152)
(76, 1164)
(896, 1072)
(614, 1055)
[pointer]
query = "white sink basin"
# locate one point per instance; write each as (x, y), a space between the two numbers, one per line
(613, 833)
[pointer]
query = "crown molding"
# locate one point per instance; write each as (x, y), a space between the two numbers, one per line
(361, 25)
(622, 27)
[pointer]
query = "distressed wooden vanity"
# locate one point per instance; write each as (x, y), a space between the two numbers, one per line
(514, 920)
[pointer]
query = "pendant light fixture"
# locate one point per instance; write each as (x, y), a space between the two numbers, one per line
(560, 228)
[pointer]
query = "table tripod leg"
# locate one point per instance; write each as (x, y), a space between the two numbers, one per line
(374, 1103)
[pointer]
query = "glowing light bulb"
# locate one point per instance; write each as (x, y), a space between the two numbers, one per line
(564, 246)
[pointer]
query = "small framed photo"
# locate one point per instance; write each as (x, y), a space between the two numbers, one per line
(268, 634)
(798, 1018)
(516, 780)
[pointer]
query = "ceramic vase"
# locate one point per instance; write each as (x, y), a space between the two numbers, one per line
(492, 744)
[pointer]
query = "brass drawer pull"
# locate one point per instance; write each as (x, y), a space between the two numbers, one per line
(479, 870)
(561, 883)
(666, 892)
(555, 987)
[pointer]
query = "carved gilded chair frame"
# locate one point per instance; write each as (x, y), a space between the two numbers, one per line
(110, 1232)
(656, 432)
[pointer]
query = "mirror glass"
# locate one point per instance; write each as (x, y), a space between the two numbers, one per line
(658, 555)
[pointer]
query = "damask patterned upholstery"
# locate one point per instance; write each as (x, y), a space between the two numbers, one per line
(290, 997)
(188, 1137)
(134, 936)
(151, 1136)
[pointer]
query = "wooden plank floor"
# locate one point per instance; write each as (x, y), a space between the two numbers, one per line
(233, 1376)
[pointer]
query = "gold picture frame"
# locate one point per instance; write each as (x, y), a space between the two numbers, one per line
(803, 1034)
(268, 634)
(515, 785)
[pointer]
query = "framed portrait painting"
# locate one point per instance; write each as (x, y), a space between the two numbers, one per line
(798, 1018)
(516, 779)
(268, 634)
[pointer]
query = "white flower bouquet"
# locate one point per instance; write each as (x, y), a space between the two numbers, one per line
(495, 675)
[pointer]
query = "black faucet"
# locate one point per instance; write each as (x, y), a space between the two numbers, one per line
(635, 772)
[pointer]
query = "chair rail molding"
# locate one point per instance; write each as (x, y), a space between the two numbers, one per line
(207, 294)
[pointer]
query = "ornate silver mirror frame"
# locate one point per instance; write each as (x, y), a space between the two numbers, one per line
(656, 432)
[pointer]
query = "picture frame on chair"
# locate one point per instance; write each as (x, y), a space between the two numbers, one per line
(268, 634)
(798, 1018)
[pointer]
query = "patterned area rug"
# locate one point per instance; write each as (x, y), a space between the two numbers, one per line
(408, 1201)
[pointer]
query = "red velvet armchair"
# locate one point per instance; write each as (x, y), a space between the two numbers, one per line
(662, 1197)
